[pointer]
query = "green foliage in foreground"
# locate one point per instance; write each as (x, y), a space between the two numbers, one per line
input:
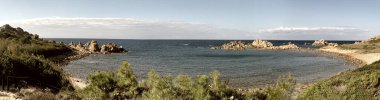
(107, 85)
(360, 84)
(283, 89)
(25, 55)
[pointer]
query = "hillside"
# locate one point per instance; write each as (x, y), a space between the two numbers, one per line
(371, 45)
(27, 59)
(362, 83)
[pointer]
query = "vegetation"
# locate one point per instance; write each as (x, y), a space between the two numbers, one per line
(25, 57)
(360, 84)
(370, 46)
(107, 85)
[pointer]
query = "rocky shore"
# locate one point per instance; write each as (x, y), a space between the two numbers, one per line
(81, 51)
(327, 49)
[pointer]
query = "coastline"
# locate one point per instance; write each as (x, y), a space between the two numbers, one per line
(77, 83)
(353, 55)
(80, 83)
(336, 55)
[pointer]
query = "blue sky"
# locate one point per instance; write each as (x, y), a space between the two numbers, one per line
(216, 19)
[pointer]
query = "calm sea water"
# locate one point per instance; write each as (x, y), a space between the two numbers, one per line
(248, 68)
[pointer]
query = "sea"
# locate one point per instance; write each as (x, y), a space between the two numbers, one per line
(240, 69)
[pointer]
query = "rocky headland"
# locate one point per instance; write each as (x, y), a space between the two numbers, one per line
(92, 47)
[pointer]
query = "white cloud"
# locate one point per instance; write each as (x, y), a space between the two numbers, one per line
(124, 28)
(129, 28)
(313, 33)
(293, 29)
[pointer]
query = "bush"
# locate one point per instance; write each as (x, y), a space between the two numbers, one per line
(25, 55)
(282, 90)
(126, 82)
(360, 84)
(201, 90)
(160, 88)
(107, 85)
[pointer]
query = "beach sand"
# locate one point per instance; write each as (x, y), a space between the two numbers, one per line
(367, 58)
(78, 83)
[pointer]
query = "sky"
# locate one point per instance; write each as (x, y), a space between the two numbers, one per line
(195, 19)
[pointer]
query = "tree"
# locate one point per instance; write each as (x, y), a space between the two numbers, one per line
(126, 82)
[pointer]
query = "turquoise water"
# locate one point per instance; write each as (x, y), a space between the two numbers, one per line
(248, 68)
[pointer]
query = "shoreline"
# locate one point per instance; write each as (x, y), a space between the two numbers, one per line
(353, 55)
(355, 61)
(79, 83)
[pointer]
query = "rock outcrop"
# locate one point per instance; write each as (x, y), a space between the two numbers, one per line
(320, 42)
(286, 47)
(234, 45)
(333, 44)
(93, 47)
(257, 44)
(261, 44)
(111, 48)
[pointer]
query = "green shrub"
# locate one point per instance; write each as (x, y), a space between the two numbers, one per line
(359, 84)
(91, 93)
(217, 87)
(282, 90)
(25, 55)
(201, 89)
(126, 82)
(160, 88)
(183, 85)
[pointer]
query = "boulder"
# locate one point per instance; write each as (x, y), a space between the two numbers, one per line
(80, 47)
(234, 45)
(333, 44)
(285, 47)
(111, 48)
(93, 46)
(320, 42)
(261, 44)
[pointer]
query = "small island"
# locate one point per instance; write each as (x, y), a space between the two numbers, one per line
(257, 44)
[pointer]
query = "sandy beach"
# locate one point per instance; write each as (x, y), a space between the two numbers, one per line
(367, 58)
(78, 83)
